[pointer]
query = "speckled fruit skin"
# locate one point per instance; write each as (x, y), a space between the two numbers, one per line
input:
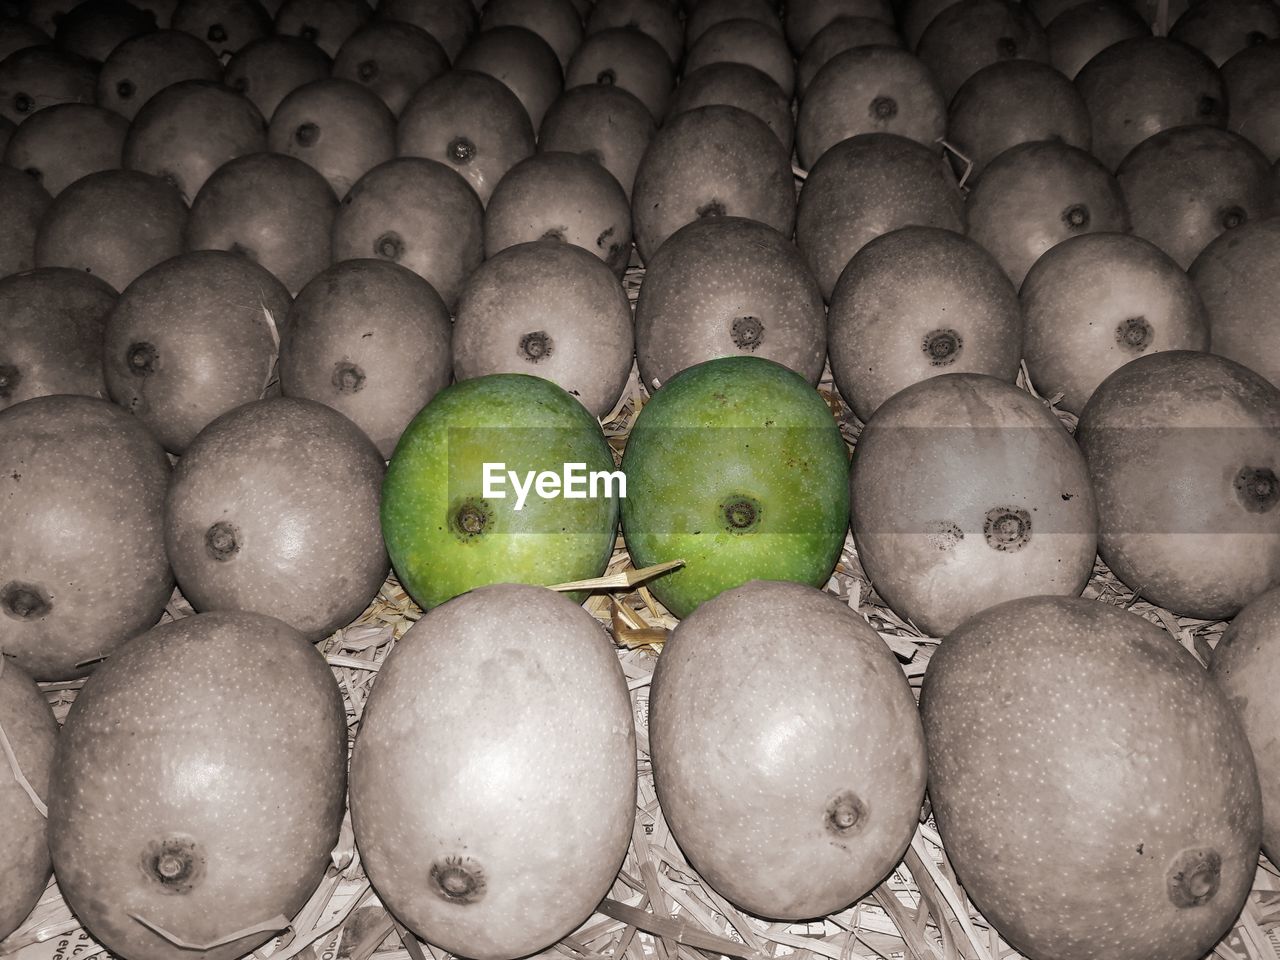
(274, 509)
(550, 309)
(724, 286)
(915, 303)
(737, 467)
(1021, 521)
(192, 339)
(51, 323)
(1090, 782)
(793, 787)
(1244, 664)
(32, 732)
(82, 560)
(493, 780)
(370, 339)
(1097, 301)
(434, 484)
(198, 783)
(707, 161)
(1198, 535)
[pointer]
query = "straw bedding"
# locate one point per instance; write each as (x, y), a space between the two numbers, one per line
(658, 907)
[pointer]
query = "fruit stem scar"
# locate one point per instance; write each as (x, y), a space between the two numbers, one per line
(220, 541)
(142, 358)
(741, 514)
(24, 601)
(844, 812)
(458, 880)
(1193, 877)
(307, 134)
(460, 150)
(471, 519)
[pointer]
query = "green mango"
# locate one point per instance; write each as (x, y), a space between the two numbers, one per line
(463, 504)
(737, 467)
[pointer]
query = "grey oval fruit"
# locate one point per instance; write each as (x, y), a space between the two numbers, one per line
(793, 787)
(494, 680)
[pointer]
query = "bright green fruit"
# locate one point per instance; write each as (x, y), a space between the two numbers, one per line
(447, 531)
(737, 467)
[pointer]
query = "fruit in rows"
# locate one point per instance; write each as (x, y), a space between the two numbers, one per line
(915, 16)
(555, 195)
(115, 224)
(139, 68)
(225, 25)
(656, 18)
(326, 23)
(190, 129)
(1187, 185)
(1235, 275)
(555, 21)
(1046, 11)
(270, 207)
(1222, 28)
(869, 89)
(338, 127)
(1138, 87)
(737, 467)
(626, 59)
(192, 338)
(1023, 523)
(274, 507)
(45, 14)
(31, 733)
(51, 328)
(23, 203)
(451, 22)
(551, 310)
(37, 77)
(1208, 544)
(1011, 102)
(1136, 301)
(1243, 664)
(1149, 10)
(1069, 717)
(492, 683)
(93, 28)
(82, 560)
(1084, 30)
(915, 303)
(198, 787)
(444, 531)
(522, 60)
(792, 787)
(842, 33)
(392, 58)
(743, 40)
(606, 123)
(270, 68)
(470, 121)
(725, 286)
(716, 160)
(737, 85)
(418, 213)
(1252, 77)
(867, 186)
(1036, 195)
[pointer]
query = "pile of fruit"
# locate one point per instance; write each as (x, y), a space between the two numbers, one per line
(639, 477)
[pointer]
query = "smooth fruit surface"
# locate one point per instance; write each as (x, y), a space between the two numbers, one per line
(1199, 535)
(445, 536)
(967, 491)
(1104, 737)
(794, 787)
(273, 508)
(82, 560)
(737, 467)
(493, 780)
(198, 787)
